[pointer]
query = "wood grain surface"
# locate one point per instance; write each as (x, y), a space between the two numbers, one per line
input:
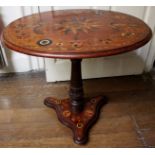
(76, 34)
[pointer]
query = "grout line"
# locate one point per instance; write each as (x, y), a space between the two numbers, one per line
(139, 132)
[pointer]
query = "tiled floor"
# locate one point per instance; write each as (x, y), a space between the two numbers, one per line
(128, 120)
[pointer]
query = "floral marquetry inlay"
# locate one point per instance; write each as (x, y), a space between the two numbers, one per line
(76, 25)
(76, 34)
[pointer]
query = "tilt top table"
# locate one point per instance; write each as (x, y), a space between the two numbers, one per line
(76, 34)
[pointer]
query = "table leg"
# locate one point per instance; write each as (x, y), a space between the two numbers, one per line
(76, 112)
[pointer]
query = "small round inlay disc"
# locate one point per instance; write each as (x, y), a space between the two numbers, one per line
(44, 42)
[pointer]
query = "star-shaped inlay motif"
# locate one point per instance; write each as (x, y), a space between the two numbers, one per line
(76, 25)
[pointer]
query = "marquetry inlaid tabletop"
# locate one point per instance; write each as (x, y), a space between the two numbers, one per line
(76, 34)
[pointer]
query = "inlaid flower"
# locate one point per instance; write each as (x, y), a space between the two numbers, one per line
(76, 25)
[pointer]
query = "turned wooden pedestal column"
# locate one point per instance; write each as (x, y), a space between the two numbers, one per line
(76, 112)
(76, 87)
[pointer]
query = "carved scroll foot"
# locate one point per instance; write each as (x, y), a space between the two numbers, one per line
(80, 123)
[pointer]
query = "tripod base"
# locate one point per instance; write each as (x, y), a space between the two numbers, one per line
(80, 122)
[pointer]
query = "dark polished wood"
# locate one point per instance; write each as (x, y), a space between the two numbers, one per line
(76, 87)
(76, 34)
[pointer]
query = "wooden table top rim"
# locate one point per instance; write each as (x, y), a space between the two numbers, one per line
(78, 54)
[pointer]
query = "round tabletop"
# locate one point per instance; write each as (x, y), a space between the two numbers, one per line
(76, 34)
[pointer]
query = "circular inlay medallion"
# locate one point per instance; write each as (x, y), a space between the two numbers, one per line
(89, 113)
(59, 44)
(44, 42)
(66, 113)
(79, 125)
